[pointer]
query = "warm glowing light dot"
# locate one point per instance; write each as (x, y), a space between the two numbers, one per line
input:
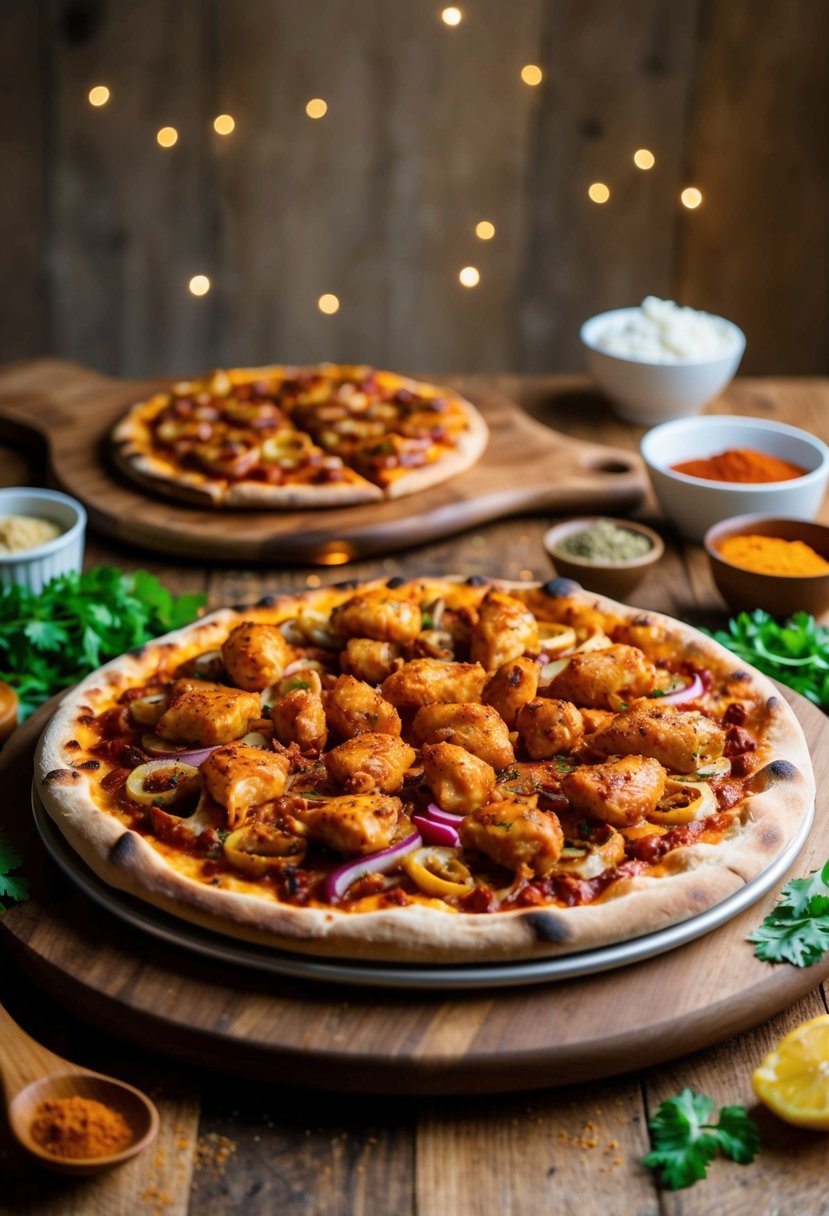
(691, 197)
(167, 136)
(532, 74)
(316, 108)
(223, 124)
(598, 192)
(334, 557)
(199, 285)
(484, 231)
(99, 95)
(470, 276)
(451, 16)
(644, 159)
(313, 580)
(328, 303)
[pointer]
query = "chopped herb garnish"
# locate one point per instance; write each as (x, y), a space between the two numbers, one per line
(685, 1142)
(796, 931)
(796, 652)
(584, 829)
(15, 889)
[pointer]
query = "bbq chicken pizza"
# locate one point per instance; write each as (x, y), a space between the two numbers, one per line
(289, 437)
(435, 770)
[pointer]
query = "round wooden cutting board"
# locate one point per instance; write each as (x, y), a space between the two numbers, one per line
(526, 467)
(291, 1031)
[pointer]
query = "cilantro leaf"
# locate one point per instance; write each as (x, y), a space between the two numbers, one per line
(795, 652)
(796, 931)
(11, 888)
(685, 1142)
(807, 896)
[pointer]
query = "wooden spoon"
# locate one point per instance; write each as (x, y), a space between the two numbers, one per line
(32, 1075)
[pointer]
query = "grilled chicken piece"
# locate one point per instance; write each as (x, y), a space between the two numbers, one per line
(681, 739)
(512, 685)
(369, 660)
(352, 707)
(619, 792)
(605, 678)
(515, 833)
(370, 761)
(547, 727)
(354, 824)
(479, 729)
(459, 781)
(431, 681)
(239, 777)
(504, 630)
(595, 719)
(299, 717)
(203, 713)
(378, 614)
(255, 655)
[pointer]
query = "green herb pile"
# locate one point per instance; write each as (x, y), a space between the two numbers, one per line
(797, 930)
(795, 653)
(685, 1142)
(77, 622)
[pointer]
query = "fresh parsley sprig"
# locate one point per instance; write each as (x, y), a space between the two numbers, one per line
(78, 621)
(796, 652)
(797, 929)
(685, 1142)
(12, 889)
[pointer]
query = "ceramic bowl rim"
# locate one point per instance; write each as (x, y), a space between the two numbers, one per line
(50, 546)
(738, 525)
(674, 365)
(583, 522)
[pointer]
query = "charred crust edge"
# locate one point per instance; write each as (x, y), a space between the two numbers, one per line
(557, 588)
(123, 851)
(548, 926)
(477, 580)
(395, 581)
(348, 584)
(62, 776)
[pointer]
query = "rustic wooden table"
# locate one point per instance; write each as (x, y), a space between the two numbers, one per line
(231, 1146)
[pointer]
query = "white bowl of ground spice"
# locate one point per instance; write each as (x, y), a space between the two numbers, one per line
(41, 536)
(609, 556)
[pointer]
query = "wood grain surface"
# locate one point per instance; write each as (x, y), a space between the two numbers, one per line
(255, 1149)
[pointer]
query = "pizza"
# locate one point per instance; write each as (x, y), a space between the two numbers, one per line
(433, 770)
(295, 437)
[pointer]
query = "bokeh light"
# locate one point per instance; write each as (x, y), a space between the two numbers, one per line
(532, 74)
(484, 230)
(691, 197)
(598, 192)
(199, 285)
(99, 95)
(316, 108)
(328, 304)
(470, 276)
(223, 124)
(643, 158)
(167, 136)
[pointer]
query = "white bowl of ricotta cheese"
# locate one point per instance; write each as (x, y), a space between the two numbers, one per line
(661, 361)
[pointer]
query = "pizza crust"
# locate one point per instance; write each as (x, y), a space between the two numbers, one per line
(701, 875)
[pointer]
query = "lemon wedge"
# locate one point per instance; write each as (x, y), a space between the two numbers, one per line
(793, 1080)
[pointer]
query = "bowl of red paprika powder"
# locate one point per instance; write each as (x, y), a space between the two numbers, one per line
(714, 467)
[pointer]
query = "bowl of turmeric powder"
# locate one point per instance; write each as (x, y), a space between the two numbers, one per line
(714, 467)
(778, 564)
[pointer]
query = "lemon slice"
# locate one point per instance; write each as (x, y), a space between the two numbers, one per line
(793, 1081)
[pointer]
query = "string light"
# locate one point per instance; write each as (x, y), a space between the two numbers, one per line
(98, 95)
(644, 159)
(451, 16)
(532, 74)
(316, 108)
(484, 231)
(199, 285)
(223, 124)
(167, 136)
(328, 304)
(598, 192)
(470, 276)
(691, 197)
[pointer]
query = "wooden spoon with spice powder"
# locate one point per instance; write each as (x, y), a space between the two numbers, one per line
(71, 1119)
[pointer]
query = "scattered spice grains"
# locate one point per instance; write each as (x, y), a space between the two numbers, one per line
(79, 1127)
(589, 1139)
(213, 1152)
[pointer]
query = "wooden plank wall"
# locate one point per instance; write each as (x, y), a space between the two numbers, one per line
(429, 130)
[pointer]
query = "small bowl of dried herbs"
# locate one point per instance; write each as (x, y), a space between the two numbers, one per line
(609, 556)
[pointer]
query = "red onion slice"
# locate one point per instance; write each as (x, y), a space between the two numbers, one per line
(154, 745)
(689, 693)
(339, 880)
(439, 815)
(435, 832)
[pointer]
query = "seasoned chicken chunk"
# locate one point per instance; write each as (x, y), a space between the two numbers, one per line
(239, 777)
(354, 824)
(547, 727)
(204, 713)
(459, 781)
(504, 630)
(352, 707)
(479, 729)
(431, 681)
(681, 739)
(515, 833)
(595, 719)
(369, 660)
(604, 678)
(619, 792)
(378, 614)
(299, 717)
(511, 686)
(255, 655)
(370, 761)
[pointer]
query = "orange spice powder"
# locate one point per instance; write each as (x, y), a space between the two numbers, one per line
(79, 1127)
(740, 464)
(773, 555)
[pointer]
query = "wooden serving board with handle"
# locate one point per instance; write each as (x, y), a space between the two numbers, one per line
(527, 467)
(298, 1032)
